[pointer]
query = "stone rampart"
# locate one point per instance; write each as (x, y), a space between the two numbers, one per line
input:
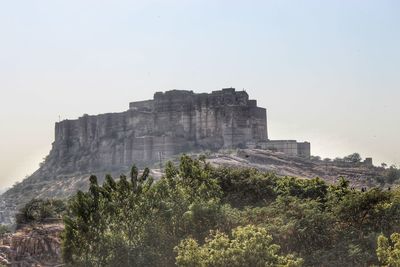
(173, 122)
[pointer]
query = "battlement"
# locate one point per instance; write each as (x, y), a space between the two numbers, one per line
(178, 99)
(289, 147)
(146, 105)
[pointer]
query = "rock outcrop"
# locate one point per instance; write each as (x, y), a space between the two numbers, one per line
(32, 246)
(359, 174)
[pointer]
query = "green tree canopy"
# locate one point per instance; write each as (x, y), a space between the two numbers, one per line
(248, 246)
(388, 250)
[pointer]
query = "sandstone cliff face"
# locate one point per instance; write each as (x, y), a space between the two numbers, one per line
(32, 246)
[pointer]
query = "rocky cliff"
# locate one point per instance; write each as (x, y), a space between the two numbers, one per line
(32, 246)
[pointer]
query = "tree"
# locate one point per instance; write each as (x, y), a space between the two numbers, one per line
(338, 160)
(133, 222)
(353, 158)
(392, 174)
(4, 229)
(307, 188)
(38, 210)
(247, 246)
(388, 250)
(315, 158)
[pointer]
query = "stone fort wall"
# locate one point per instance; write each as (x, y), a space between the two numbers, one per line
(172, 122)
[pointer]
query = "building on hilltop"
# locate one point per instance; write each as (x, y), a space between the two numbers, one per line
(289, 147)
(173, 122)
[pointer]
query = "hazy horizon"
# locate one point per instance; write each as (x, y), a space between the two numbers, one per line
(327, 73)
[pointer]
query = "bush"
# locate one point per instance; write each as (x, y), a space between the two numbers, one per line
(353, 158)
(4, 229)
(247, 246)
(392, 175)
(38, 210)
(388, 250)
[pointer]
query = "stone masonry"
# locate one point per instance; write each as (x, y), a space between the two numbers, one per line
(173, 122)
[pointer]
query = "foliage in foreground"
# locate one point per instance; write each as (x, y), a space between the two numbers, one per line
(39, 210)
(240, 216)
(249, 246)
(388, 250)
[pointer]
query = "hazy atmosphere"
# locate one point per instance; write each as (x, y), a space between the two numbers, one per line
(328, 74)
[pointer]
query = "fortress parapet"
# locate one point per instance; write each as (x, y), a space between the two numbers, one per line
(183, 99)
(289, 147)
(147, 105)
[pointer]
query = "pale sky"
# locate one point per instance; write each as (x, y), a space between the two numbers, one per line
(327, 71)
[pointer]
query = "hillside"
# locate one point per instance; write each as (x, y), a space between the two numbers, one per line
(359, 174)
(42, 184)
(240, 193)
(200, 215)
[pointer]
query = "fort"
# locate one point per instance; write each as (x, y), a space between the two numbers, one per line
(173, 122)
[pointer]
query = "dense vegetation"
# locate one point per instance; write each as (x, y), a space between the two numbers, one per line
(4, 229)
(39, 211)
(391, 175)
(388, 175)
(197, 215)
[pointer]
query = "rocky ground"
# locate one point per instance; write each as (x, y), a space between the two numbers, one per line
(32, 246)
(359, 175)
